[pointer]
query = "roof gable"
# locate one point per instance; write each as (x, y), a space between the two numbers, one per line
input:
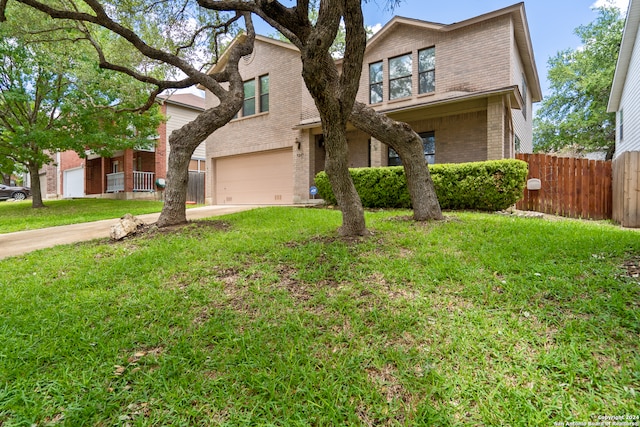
(516, 12)
(521, 30)
(218, 66)
(188, 100)
(396, 22)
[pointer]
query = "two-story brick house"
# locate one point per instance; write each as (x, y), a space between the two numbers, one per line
(130, 173)
(467, 88)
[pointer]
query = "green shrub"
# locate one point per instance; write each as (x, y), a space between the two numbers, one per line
(489, 186)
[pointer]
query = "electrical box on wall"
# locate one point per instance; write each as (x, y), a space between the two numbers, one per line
(534, 184)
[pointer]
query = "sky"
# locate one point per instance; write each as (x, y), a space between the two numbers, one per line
(551, 22)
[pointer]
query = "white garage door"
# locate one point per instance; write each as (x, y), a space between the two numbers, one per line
(74, 183)
(257, 178)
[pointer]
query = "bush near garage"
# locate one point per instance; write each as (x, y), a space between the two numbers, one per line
(486, 186)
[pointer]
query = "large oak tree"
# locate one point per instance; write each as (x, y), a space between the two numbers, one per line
(164, 39)
(333, 90)
(334, 93)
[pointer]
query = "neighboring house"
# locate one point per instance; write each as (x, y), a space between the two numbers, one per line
(467, 88)
(625, 102)
(625, 91)
(131, 173)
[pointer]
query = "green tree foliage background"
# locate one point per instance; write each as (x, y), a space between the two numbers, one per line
(54, 97)
(575, 115)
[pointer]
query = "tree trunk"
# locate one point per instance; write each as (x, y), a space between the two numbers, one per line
(184, 141)
(182, 144)
(334, 94)
(337, 168)
(36, 191)
(408, 145)
(175, 194)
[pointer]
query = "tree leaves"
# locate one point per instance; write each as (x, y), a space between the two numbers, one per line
(575, 115)
(54, 98)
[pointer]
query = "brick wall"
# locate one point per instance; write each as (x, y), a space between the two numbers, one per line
(459, 138)
(473, 58)
(469, 59)
(147, 162)
(495, 128)
(271, 130)
(68, 160)
(49, 184)
(95, 181)
(160, 166)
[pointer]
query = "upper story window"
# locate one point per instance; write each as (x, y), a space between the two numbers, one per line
(427, 70)
(256, 96)
(249, 105)
(264, 93)
(375, 82)
(400, 76)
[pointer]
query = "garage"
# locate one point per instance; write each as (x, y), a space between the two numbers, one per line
(264, 178)
(74, 182)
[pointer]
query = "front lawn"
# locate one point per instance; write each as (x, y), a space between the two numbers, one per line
(266, 317)
(20, 216)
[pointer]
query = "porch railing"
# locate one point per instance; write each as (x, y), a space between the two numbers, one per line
(142, 181)
(115, 182)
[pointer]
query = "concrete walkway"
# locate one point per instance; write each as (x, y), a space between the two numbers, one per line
(21, 242)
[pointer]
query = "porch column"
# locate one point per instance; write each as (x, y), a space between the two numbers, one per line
(495, 128)
(160, 159)
(303, 158)
(378, 153)
(103, 176)
(128, 170)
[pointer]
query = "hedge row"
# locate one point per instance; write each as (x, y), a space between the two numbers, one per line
(489, 186)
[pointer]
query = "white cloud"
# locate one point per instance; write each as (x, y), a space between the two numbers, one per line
(375, 28)
(620, 4)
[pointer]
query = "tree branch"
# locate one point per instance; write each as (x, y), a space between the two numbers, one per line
(102, 19)
(3, 8)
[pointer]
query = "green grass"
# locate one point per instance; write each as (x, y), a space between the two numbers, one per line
(20, 216)
(266, 317)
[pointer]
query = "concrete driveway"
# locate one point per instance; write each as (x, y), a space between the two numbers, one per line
(21, 242)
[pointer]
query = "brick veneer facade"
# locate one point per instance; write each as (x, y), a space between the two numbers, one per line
(485, 82)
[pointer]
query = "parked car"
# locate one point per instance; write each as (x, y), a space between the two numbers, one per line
(18, 193)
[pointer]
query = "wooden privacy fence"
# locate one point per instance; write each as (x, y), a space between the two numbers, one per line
(195, 187)
(575, 188)
(626, 189)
